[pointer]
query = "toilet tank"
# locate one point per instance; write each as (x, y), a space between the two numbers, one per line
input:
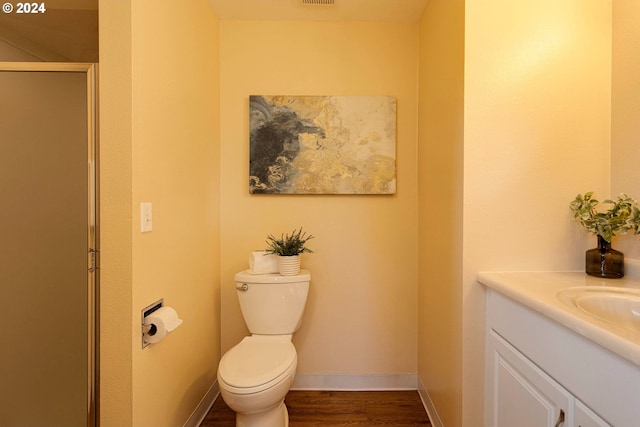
(272, 304)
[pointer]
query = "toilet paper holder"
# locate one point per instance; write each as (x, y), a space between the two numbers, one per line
(149, 328)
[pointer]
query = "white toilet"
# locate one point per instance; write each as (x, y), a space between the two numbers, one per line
(255, 375)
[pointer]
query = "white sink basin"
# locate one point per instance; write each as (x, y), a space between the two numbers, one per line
(618, 306)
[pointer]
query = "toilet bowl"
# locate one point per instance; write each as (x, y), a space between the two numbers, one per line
(254, 378)
(255, 375)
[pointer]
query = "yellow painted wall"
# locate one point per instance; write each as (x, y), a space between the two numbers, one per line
(441, 143)
(537, 132)
(361, 316)
(116, 222)
(159, 144)
(625, 110)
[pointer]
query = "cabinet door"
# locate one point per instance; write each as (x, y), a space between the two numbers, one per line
(521, 393)
(585, 417)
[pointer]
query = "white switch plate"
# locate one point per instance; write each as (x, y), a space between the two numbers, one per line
(146, 222)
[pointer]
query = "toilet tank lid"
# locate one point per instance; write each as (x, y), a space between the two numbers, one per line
(246, 277)
(256, 361)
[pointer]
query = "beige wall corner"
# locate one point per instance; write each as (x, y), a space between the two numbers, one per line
(116, 286)
(625, 111)
(440, 156)
(159, 126)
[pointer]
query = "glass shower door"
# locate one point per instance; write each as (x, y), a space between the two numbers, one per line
(47, 228)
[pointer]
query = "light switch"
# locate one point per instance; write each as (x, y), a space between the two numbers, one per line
(146, 223)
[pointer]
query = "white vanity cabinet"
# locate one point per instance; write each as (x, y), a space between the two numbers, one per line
(541, 373)
(523, 395)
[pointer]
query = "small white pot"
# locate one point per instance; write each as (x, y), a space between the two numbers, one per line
(288, 265)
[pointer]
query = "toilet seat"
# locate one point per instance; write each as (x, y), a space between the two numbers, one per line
(257, 363)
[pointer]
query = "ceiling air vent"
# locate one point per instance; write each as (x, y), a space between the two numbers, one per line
(321, 2)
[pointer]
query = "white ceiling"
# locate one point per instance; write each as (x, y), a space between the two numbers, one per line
(342, 10)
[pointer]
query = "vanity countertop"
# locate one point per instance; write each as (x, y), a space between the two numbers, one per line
(538, 291)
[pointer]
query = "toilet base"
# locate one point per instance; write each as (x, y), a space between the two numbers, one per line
(276, 417)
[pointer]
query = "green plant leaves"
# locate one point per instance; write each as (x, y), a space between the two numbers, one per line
(288, 245)
(622, 216)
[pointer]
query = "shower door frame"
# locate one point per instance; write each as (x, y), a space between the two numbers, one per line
(93, 255)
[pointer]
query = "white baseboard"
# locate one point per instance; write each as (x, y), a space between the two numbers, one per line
(428, 405)
(203, 407)
(354, 382)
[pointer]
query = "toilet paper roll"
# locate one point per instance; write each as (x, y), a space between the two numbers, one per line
(260, 262)
(160, 323)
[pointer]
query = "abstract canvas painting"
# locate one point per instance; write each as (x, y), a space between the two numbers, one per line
(322, 144)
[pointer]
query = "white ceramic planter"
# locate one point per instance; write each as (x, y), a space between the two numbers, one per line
(289, 265)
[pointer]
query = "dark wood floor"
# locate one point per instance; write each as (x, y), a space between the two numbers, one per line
(339, 408)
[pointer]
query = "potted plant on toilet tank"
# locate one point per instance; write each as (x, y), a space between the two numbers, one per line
(606, 219)
(288, 248)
